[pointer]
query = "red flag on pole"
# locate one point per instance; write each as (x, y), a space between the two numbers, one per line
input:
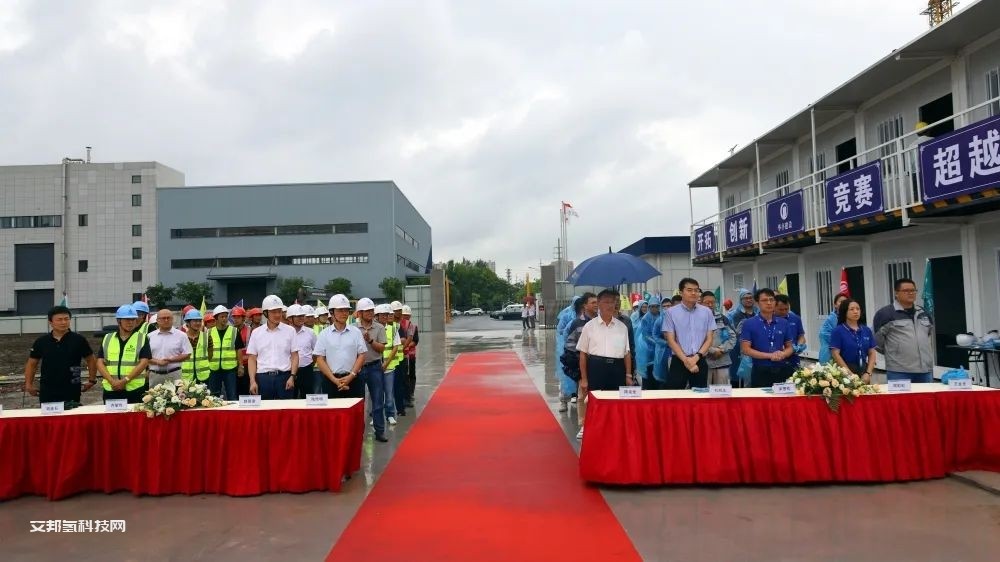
(844, 289)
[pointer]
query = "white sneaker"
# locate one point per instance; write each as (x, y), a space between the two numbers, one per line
(371, 423)
(572, 400)
(580, 434)
(392, 420)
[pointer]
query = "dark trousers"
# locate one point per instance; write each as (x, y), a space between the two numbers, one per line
(679, 377)
(605, 373)
(763, 377)
(401, 386)
(243, 383)
(648, 382)
(271, 385)
(356, 388)
(305, 380)
(411, 375)
(225, 379)
(524, 323)
(60, 393)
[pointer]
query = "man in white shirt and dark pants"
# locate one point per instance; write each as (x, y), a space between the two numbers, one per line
(272, 357)
(605, 358)
(169, 347)
(305, 340)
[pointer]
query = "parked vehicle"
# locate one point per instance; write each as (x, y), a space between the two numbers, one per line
(456, 312)
(474, 312)
(509, 312)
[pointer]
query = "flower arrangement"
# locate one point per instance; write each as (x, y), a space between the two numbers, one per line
(832, 382)
(166, 399)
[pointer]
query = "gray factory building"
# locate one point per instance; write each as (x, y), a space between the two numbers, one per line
(244, 238)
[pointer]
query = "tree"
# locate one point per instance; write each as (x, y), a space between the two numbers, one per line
(475, 284)
(291, 289)
(191, 292)
(392, 288)
(159, 295)
(339, 286)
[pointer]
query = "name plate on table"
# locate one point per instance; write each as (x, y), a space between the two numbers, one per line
(249, 401)
(720, 390)
(316, 399)
(960, 384)
(899, 386)
(116, 405)
(629, 392)
(49, 408)
(783, 388)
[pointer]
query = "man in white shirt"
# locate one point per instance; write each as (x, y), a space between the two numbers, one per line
(305, 340)
(340, 353)
(169, 347)
(605, 358)
(272, 357)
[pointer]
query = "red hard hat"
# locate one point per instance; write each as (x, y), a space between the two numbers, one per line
(728, 303)
(186, 309)
(209, 317)
(256, 311)
(238, 311)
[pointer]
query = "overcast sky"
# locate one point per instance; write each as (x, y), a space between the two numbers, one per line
(486, 114)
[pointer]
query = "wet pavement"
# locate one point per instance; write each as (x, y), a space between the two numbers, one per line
(944, 519)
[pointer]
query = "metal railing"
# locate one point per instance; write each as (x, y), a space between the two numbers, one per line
(901, 184)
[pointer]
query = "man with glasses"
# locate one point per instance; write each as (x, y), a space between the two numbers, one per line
(689, 329)
(905, 335)
(767, 340)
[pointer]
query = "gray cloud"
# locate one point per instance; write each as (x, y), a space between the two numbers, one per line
(486, 114)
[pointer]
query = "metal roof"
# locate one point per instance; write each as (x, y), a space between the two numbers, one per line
(943, 41)
(659, 245)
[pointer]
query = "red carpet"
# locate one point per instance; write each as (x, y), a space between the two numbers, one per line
(486, 473)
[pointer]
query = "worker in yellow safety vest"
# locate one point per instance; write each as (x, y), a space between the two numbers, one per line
(392, 354)
(322, 319)
(123, 357)
(196, 366)
(224, 356)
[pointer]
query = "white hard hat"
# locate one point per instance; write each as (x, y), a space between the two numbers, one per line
(220, 310)
(339, 301)
(365, 304)
(407, 311)
(308, 310)
(396, 305)
(272, 302)
(295, 310)
(321, 310)
(383, 309)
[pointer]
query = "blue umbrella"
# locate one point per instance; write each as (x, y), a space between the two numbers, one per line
(611, 270)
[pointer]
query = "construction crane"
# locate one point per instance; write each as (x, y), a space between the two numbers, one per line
(938, 10)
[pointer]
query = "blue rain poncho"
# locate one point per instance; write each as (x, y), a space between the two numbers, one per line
(641, 346)
(567, 386)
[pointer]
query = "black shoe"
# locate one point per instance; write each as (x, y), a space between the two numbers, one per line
(381, 438)
(409, 404)
(402, 413)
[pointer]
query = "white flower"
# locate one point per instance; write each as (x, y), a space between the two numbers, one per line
(827, 392)
(835, 383)
(824, 383)
(170, 411)
(856, 392)
(813, 382)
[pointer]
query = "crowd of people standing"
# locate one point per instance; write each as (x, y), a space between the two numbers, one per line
(278, 352)
(687, 341)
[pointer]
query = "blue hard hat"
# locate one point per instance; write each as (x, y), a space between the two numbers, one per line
(193, 314)
(125, 312)
(140, 306)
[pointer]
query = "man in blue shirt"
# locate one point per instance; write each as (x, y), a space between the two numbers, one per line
(767, 340)
(783, 309)
(689, 329)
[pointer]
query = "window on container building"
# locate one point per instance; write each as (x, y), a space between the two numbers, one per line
(824, 290)
(993, 90)
(781, 183)
(738, 281)
(899, 269)
(771, 282)
(730, 203)
(889, 130)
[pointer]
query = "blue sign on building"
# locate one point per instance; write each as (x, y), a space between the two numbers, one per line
(705, 241)
(785, 215)
(739, 230)
(855, 194)
(963, 161)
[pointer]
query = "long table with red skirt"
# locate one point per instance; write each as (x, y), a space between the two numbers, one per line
(282, 446)
(683, 437)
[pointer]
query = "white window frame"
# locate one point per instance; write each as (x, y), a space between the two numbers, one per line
(889, 130)
(993, 90)
(824, 290)
(771, 282)
(730, 205)
(782, 184)
(738, 282)
(897, 269)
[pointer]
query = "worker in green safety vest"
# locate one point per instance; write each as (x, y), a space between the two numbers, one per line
(196, 366)
(123, 357)
(223, 356)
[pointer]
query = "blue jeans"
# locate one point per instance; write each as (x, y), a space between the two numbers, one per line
(271, 385)
(223, 378)
(912, 377)
(375, 380)
(388, 392)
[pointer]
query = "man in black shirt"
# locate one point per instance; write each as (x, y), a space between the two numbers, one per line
(60, 352)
